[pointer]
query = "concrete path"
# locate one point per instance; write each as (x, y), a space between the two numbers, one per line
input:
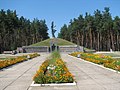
(92, 77)
(87, 75)
(19, 76)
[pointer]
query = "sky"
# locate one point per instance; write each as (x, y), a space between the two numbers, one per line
(59, 11)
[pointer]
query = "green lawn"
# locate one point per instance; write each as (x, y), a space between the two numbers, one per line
(117, 62)
(60, 42)
(3, 58)
(89, 50)
(112, 54)
(7, 58)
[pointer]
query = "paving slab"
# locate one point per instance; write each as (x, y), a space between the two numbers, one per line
(88, 76)
(19, 76)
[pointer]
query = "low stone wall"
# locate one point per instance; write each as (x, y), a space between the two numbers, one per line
(70, 48)
(32, 49)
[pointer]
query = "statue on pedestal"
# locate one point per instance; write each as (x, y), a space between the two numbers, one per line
(53, 30)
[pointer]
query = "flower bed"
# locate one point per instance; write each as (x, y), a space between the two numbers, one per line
(101, 59)
(33, 55)
(53, 70)
(8, 62)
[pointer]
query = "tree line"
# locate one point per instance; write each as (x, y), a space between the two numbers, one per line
(18, 31)
(99, 31)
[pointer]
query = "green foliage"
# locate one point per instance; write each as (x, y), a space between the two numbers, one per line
(112, 54)
(117, 62)
(53, 70)
(97, 31)
(60, 42)
(101, 59)
(54, 56)
(18, 31)
(10, 61)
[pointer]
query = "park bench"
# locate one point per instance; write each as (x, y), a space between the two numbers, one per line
(9, 52)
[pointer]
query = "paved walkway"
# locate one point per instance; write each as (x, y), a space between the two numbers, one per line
(92, 77)
(19, 76)
(87, 75)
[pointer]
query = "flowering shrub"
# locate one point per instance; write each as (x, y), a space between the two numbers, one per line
(75, 53)
(8, 62)
(114, 65)
(56, 72)
(106, 61)
(34, 55)
(96, 58)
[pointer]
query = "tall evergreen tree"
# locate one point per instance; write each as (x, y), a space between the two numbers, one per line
(16, 32)
(98, 31)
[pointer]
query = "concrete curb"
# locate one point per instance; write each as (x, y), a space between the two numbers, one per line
(54, 84)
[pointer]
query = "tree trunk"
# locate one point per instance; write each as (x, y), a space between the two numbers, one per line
(78, 37)
(100, 43)
(112, 41)
(90, 38)
(86, 39)
(94, 42)
(117, 42)
(82, 40)
(108, 44)
(98, 40)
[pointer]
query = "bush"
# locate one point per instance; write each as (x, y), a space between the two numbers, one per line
(34, 55)
(53, 72)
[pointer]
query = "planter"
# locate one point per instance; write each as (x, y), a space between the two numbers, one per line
(102, 60)
(6, 63)
(53, 71)
(54, 84)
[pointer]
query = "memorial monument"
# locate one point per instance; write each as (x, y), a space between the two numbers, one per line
(52, 29)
